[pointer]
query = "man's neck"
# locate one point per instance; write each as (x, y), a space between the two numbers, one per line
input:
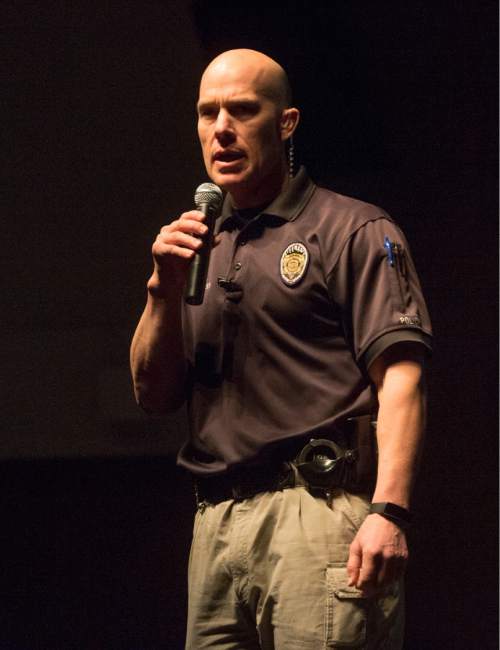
(262, 195)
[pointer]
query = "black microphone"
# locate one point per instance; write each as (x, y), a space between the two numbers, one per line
(208, 199)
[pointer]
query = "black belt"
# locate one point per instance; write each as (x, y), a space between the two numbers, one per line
(245, 483)
(319, 465)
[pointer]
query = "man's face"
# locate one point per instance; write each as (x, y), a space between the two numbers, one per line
(239, 131)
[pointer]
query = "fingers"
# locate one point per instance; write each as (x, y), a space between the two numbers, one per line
(173, 248)
(368, 573)
(362, 570)
(161, 251)
(184, 231)
(181, 238)
(176, 243)
(188, 222)
(377, 572)
(377, 556)
(392, 566)
(354, 563)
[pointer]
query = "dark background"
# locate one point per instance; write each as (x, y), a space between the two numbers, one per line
(399, 107)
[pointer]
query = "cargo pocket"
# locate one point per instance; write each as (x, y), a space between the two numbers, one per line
(346, 611)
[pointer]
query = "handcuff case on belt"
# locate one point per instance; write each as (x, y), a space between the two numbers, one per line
(326, 464)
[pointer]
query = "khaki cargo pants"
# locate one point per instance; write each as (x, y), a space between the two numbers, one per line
(270, 572)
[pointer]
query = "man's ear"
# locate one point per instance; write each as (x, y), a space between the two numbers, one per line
(289, 121)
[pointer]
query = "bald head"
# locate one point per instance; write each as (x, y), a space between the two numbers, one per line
(257, 69)
(244, 119)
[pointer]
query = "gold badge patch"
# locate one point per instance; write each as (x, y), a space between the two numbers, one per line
(293, 264)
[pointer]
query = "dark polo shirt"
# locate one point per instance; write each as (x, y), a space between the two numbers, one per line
(299, 301)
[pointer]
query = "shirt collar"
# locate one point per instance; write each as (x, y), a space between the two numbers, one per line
(287, 205)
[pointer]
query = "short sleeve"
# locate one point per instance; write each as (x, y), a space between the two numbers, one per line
(375, 285)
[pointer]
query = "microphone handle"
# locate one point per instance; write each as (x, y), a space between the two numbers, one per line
(197, 277)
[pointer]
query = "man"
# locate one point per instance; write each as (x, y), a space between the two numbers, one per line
(312, 323)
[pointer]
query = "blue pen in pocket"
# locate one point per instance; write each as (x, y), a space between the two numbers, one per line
(388, 245)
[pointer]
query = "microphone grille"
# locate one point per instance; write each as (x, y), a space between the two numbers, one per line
(208, 193)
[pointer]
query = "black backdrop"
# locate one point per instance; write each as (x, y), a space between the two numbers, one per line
(399, 108)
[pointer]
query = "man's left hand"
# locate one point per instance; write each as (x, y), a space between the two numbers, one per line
(377, 555)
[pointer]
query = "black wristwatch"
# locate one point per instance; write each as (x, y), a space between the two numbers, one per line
(398, 515)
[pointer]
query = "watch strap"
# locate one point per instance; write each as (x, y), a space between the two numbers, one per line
(398, 515)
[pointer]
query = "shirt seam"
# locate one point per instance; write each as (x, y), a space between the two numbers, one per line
(349, 238)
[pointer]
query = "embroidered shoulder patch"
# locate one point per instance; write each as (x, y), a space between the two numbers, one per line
(293, 263)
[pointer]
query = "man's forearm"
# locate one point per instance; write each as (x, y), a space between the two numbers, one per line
(157, 356)
(400, 431)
